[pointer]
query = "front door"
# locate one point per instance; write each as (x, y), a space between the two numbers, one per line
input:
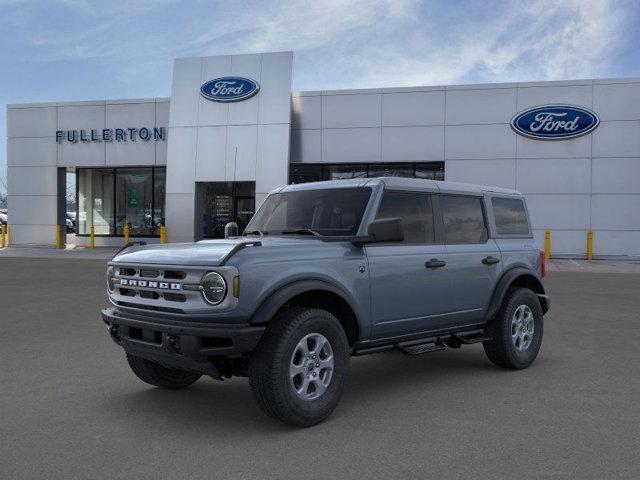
(219, 203)
(409, 284)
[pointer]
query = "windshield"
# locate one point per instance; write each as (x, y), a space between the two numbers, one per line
(326, 212)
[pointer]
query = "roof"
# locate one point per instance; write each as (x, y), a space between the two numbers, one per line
(403, 183)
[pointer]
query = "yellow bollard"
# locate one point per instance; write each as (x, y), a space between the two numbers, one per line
(8, 235)
(163, 234)
(126, 233)
(3, 231)
(92, 237)
(589, 245)
(547, 244)
(58, 236)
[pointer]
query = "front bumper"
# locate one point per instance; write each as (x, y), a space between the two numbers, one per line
(184, 345)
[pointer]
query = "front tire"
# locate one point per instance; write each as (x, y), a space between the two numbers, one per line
(298, 372)
(516, 331)
(160, 376)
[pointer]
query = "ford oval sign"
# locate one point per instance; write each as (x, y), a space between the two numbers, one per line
(555, 122)
(229, 89)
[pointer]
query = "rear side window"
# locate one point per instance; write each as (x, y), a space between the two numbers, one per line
(463, 219)
(415, 211)
(510, 215)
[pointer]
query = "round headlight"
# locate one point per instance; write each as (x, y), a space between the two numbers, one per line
(214, 288)
(111, 273)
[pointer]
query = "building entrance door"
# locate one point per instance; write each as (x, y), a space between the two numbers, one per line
(221, 202)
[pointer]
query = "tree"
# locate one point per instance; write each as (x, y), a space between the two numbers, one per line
(3, 193)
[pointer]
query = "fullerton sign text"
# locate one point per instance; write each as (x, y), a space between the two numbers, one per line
(110, 135)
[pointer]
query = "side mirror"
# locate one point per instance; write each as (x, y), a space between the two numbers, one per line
(386, 230)
(231, 230)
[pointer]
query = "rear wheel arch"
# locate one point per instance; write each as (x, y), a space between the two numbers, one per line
(311, 294)
(517, 277)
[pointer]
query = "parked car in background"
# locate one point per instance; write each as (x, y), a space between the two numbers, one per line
(71, 222)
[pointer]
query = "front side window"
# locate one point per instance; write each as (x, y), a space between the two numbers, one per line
(463, 219)
(415, 211)
(329, 212)
(510, 215)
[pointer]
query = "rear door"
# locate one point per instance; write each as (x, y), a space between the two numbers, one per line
(475, 263)
(409, 287)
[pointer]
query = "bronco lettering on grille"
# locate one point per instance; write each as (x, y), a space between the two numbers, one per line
(148, 284)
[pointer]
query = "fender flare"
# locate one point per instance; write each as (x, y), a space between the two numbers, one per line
(275, 300)
(505, 282)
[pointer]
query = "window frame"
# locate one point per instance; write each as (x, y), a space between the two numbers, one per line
(487, 235)
(494, 224)
(155, 231)
(435, 212)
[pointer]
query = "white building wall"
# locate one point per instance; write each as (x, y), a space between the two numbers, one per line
(589, 182)
(33, 156)
(235, 141)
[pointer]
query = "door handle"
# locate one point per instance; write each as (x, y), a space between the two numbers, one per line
(490, 260)
(435, 263)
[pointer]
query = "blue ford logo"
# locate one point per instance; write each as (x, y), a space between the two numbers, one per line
(229, 89)
(555, 122)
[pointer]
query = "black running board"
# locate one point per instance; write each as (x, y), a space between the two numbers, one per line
(473, 336)
(428, 344)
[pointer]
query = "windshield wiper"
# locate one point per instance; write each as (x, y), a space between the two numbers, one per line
(255, 232)
(301, 231)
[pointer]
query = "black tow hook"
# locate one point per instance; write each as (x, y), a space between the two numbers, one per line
(173, 343)
(114, 331)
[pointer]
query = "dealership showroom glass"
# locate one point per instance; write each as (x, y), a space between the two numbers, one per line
(233, 131)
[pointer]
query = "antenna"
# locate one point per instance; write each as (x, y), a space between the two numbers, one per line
(235, 164)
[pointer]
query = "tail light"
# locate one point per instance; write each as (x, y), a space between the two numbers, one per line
(543, 264)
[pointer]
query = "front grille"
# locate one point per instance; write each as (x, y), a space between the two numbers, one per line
(161, 288)
(155, 288)
(149, 273)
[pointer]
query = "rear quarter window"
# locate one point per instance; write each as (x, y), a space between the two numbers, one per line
(511, 216)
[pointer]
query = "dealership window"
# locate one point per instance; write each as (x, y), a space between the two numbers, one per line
(391, 170)
(218, 203)
(342, 171)
(110, 198)
(95, 201)
(309, 172)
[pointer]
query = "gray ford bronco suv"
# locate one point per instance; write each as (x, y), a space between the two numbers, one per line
(329, 270)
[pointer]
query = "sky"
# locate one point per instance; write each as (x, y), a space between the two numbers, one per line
(88, 50)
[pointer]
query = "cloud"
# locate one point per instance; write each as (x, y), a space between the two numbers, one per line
(361, 43)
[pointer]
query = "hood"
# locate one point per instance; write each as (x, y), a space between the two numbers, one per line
(203, 253)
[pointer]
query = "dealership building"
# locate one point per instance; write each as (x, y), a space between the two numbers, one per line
(233, 130)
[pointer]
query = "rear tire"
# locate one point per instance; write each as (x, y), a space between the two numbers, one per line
(160, 376)
(298, 372)
(516, 330)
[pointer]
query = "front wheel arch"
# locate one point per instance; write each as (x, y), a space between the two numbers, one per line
(311, 294)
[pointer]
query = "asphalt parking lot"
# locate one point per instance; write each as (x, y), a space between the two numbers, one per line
(70, 408)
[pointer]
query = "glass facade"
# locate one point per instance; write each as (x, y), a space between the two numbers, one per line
(110, 198)
(221, 202)
(314, 172)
